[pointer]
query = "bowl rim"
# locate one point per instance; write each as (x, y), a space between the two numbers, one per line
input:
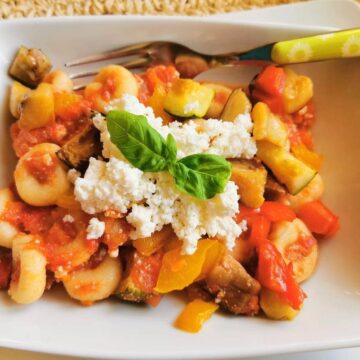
(220, 353)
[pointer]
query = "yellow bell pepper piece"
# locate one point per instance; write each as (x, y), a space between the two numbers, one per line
(298, 91)
(156, 101)
(311, 158)
(178, 271)
(194, 315)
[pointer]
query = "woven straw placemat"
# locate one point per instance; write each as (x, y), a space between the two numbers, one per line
(30, 8)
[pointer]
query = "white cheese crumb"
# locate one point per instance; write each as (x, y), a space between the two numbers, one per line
(190, 107)
(114, 253)
(95, 229)
(68, 218)
(60, 272)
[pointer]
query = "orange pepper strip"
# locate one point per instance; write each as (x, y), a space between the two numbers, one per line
(178, 271)
(194, 315)
(311, 158)
(156, 101)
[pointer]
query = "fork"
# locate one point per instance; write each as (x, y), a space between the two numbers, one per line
(340, 44)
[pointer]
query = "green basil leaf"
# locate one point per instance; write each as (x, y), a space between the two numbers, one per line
(172, 149)
(142, 145)
(201, 175)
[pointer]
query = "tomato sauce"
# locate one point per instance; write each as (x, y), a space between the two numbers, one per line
(68, 122)
(301, 248)
(116, 232)
(156, 75)
(5, 268)
(145, 270)
(41, 166)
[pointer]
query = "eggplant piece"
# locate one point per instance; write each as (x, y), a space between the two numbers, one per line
(274, 191)
(190, 65)
(234, 289)
(30, 66)
(81, 147)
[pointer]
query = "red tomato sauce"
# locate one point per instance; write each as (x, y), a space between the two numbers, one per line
(70, 121)
(41, 166)
(5, 267)
(156, 75)
(145, 270)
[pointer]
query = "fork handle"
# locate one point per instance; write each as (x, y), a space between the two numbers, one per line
(335, 45)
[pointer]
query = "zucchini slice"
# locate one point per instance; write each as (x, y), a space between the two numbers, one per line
(188, 98)
(141, 273)
(288, 170)
(238, 103)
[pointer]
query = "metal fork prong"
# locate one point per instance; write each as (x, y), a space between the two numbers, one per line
(132, 64)
(137, 49)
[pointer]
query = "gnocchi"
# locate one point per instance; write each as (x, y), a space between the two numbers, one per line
(297, 245)
(274, 308)
(89, 285)
(7, 230)
(17, 95)
(313, 191)
(67, 245)
(28, 279)
(40, 177)
(37, 109)
(60, 81)
(112, 82)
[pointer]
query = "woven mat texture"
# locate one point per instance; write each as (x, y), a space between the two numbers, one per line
(31, 8)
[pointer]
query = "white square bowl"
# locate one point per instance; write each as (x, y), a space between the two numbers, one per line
(114, 330)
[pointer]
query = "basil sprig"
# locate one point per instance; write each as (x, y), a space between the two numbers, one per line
(200, 175)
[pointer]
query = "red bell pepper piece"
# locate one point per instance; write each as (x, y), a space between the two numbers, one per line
(271, 80)
(319, 219)
(275, 275)
(276, 211)
(269, 87)
(245, 213)
(260, 228)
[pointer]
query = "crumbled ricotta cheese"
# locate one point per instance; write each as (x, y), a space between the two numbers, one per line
(114, 253)
(151, 200)
(112, 185)
(68, 218)
(224, 138)
(95, 229)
